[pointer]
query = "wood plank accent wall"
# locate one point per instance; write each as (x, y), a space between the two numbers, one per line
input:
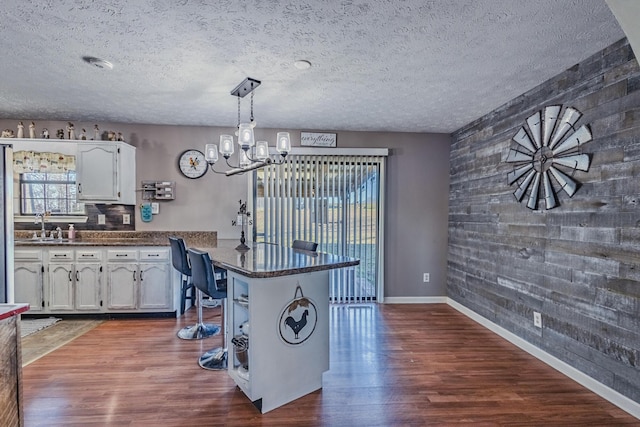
(577, 264)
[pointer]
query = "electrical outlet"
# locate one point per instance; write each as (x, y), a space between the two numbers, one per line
(102, 220)
(126, 219)
(537, 319)
(426, 277)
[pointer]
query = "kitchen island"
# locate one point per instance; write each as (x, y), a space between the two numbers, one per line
(278, 307)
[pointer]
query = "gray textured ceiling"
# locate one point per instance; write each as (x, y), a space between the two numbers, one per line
(378, 65)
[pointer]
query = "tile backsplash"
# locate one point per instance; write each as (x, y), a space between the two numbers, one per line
(113, 219)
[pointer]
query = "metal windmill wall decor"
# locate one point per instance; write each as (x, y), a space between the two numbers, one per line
(546, 154)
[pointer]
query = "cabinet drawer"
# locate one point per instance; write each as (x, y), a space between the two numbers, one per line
(122, 255)
(60, 255)
(23, 255)
(88, 255)
(154, 254)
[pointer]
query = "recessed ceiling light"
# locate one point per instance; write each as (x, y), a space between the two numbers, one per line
(98, 62)
(302, 64)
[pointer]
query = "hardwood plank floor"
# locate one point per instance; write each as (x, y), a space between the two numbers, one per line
(391, 365)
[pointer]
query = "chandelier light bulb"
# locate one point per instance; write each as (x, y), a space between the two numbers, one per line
(226, 145)
(262, 150)
(283, 144)
(245, 136)
(211, 153)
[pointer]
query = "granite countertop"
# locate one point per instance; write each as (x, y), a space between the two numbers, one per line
(121, 238)
(265, 260)
(9, 310)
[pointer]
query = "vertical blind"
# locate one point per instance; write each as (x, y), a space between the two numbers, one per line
(333, 200)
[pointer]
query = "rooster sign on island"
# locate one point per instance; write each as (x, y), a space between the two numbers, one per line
(298, 319)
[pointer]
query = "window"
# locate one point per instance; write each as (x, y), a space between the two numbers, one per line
(48, 191)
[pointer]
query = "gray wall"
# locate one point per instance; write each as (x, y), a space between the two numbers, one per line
(417, 193)
(577, 264)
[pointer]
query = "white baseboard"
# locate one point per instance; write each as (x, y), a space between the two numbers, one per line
(597, 387)
(415, 300)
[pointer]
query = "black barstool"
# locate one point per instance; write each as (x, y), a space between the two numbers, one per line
(304, 245)
(204, 279)
(180, 262)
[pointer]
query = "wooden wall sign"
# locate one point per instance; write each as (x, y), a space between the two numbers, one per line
(311, 139)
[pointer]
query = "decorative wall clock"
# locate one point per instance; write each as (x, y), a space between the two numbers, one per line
(546, 156)
(192, 164)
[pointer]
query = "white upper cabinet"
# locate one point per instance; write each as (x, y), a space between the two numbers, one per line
(106, 173)
(105, 170)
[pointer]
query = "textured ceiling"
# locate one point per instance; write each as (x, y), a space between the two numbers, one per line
(378, 65)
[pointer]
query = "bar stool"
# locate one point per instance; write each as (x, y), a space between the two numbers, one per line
(304, 245)
(180, 262)
(205, 280)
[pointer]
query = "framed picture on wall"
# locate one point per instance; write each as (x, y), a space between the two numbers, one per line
(313, 139)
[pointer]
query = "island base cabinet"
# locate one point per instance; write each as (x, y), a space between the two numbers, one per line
(288, 335)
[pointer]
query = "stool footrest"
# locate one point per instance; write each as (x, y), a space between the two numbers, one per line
(199, 331)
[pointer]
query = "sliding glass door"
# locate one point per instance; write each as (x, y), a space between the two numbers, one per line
(334, 200)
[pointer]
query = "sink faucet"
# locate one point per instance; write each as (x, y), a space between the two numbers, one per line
(41, 218)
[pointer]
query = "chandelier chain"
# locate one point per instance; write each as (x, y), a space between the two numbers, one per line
(238, 125)
(251, 118)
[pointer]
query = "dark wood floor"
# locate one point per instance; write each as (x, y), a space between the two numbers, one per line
(391, 365)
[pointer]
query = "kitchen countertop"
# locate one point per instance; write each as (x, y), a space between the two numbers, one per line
(120, 238)
(265, 260)
(9, 310)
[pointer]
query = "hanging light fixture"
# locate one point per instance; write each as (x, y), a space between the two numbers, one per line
(252, 154)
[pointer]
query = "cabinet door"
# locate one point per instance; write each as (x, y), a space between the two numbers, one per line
(97, 172)
(121, 285)
(88, 281)
(28, 284)
(155, 290)
(61, 286)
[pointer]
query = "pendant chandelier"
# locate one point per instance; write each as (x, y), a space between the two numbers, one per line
(252, 155)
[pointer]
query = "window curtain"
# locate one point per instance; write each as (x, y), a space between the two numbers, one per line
(33, 161)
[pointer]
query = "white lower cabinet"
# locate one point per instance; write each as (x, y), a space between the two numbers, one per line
(68, 280)
(29, 279)
(139, 280)
(75, 280)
